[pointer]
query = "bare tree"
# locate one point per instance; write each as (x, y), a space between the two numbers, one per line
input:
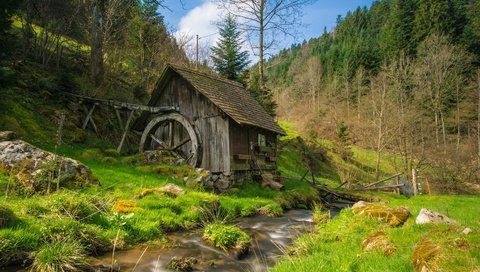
(264, 20)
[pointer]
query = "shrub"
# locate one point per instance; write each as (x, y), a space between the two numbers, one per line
(226, 237)
(62, 255)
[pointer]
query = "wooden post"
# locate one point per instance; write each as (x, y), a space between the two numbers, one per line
(125, 131)
(414, 181)
(89, 118)
(196, 55)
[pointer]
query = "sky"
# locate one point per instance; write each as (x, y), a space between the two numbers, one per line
(194, 17)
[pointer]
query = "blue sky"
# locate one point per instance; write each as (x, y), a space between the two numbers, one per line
(197, 17)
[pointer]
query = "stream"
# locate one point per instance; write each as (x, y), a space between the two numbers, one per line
(269, 237)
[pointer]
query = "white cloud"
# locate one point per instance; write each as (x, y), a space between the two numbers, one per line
(199, 21)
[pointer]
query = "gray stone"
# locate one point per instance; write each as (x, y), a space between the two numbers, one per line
(427, 216)
(171, 190)
(467, 230)
(31, 164)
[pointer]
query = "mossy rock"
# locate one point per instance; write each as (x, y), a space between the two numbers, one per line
(379, 241)
(182, 263)
(392, 216)
(426, 256)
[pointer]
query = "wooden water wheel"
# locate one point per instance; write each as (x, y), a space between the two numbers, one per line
(175, 133)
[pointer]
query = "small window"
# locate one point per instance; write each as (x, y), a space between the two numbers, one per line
(261, 140)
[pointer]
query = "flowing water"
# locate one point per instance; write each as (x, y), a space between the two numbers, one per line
(269, 237)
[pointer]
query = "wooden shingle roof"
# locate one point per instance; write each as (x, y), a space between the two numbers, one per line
(230, 96)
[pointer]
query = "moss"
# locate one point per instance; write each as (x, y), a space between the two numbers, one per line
(426, 256)
(124, 206)
(111, 153)
(91, 154)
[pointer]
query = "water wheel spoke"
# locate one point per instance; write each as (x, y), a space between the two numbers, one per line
(161, 143)
(181, 144)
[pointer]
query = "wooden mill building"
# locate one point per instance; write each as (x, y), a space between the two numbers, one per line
(217, 124)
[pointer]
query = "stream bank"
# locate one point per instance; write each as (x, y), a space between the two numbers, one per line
(270, 236)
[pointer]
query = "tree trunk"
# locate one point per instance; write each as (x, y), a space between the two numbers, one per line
(444, 133)
(260, 47)
(96, 57)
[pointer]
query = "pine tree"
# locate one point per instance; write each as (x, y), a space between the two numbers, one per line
(228, 58)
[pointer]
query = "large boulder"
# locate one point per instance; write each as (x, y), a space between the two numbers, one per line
(37, 170)
(427, 216)
(392, 216)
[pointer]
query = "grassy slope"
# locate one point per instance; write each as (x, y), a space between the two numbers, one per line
(336, 245)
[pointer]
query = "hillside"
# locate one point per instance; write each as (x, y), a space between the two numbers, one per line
(404, 79)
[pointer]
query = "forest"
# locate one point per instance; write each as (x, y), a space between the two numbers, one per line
(127, 145)
(404, 78)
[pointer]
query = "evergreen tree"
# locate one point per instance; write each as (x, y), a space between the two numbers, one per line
(228, 58)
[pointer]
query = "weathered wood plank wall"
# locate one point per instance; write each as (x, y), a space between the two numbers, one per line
(209, 119)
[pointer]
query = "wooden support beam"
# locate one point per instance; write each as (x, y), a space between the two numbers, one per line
(89, 118)
(125, 130)
(119, 117)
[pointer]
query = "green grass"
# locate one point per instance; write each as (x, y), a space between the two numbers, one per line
(226, 236)
(336, 245)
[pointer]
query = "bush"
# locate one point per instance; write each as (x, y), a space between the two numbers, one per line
(62, 255)
(226, 237)
(78, 135)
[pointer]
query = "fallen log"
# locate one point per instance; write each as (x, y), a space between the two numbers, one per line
(383, 180)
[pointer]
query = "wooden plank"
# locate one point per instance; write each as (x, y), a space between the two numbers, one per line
(242, 157)
(125, 131)
(124, 105)
(271, 158)
(89, 118)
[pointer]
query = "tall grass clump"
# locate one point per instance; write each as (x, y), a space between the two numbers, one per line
(60, 255)
(227, 237)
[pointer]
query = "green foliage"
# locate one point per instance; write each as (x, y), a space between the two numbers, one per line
(62, 255)
(226, 237)
(228, 59)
